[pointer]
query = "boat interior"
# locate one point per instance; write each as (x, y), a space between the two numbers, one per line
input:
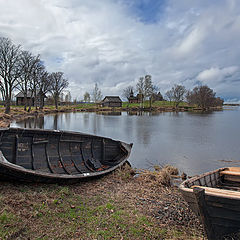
(60, 152)
(224, 181)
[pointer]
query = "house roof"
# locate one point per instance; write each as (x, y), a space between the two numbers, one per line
(112, 99)
(29, 94)
(130, 98)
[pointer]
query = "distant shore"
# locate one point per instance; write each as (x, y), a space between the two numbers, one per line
(18, 113)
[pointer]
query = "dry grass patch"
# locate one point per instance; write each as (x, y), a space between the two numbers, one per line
(116, 206)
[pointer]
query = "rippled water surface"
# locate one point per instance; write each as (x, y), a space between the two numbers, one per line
(194, 142)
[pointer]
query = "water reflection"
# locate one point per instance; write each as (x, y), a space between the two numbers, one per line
(109, 113)
(33, 122)
(194, 142)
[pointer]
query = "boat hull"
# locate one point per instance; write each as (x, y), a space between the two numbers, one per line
(50, 156)
(217, 208)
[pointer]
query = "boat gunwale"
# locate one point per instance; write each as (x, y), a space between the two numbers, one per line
(184, 188)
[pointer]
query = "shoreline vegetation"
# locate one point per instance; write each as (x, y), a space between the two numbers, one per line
(18, 113)
(120, 205)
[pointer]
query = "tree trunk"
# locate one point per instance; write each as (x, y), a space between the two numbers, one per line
(150, 102)
(25, 102)
(35, 99)
(7, 105)
(56, 102)
(30, 105)
(41, 101)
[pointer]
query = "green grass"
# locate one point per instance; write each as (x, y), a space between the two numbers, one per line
(154, 104)
(103, 221)
(7, 224)
(57, 213)
(91, 210)
(85, 105)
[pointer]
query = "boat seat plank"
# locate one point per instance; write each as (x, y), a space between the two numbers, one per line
(40, 142)
(227, 172)
(71, 141)
(222, 192)
(232, 178)
(228, 187)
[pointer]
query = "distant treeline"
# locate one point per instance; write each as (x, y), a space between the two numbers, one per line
(202, 96)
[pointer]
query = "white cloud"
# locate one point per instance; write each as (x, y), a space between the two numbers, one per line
(216, 74)
(192, 42)
(103, 41)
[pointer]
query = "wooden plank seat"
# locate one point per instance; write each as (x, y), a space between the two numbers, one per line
(227, 172)
(219, 192)
(231, 174)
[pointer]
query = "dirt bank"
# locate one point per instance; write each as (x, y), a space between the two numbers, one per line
(117, 206)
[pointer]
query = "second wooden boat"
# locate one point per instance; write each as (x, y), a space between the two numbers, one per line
(215, 198)
(50, 156)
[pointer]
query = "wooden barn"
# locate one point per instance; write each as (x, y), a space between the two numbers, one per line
(112, 101)
(30, 98)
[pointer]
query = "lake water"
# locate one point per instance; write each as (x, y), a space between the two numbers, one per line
(193, 142)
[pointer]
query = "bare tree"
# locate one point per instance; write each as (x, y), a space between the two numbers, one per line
(178, 92)
(43, 84)
(140, 85)
(218, 101)
(68, 97)
(169, 95)
(10, 69)
(28, 64)
(140, 89)
(128, 92)
(204, 97)
(97, 94)
(146, 88)
(149, 89)
(154, 95)
(58, 83)
(86, 97)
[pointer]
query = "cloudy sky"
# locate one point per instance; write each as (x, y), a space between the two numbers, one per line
(114, 42)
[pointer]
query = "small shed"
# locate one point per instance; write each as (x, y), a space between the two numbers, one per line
(30, 98)
(112, 101)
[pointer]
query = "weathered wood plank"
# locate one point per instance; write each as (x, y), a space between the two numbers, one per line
(199, 195)
(53, 156)
(67, 158)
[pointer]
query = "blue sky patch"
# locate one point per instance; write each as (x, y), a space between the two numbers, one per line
(148, 11)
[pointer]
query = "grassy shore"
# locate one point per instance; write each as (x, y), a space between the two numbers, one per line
(17, 112)
(116, 206)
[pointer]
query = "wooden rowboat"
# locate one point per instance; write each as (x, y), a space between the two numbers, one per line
(51, 156)
(215, 198)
